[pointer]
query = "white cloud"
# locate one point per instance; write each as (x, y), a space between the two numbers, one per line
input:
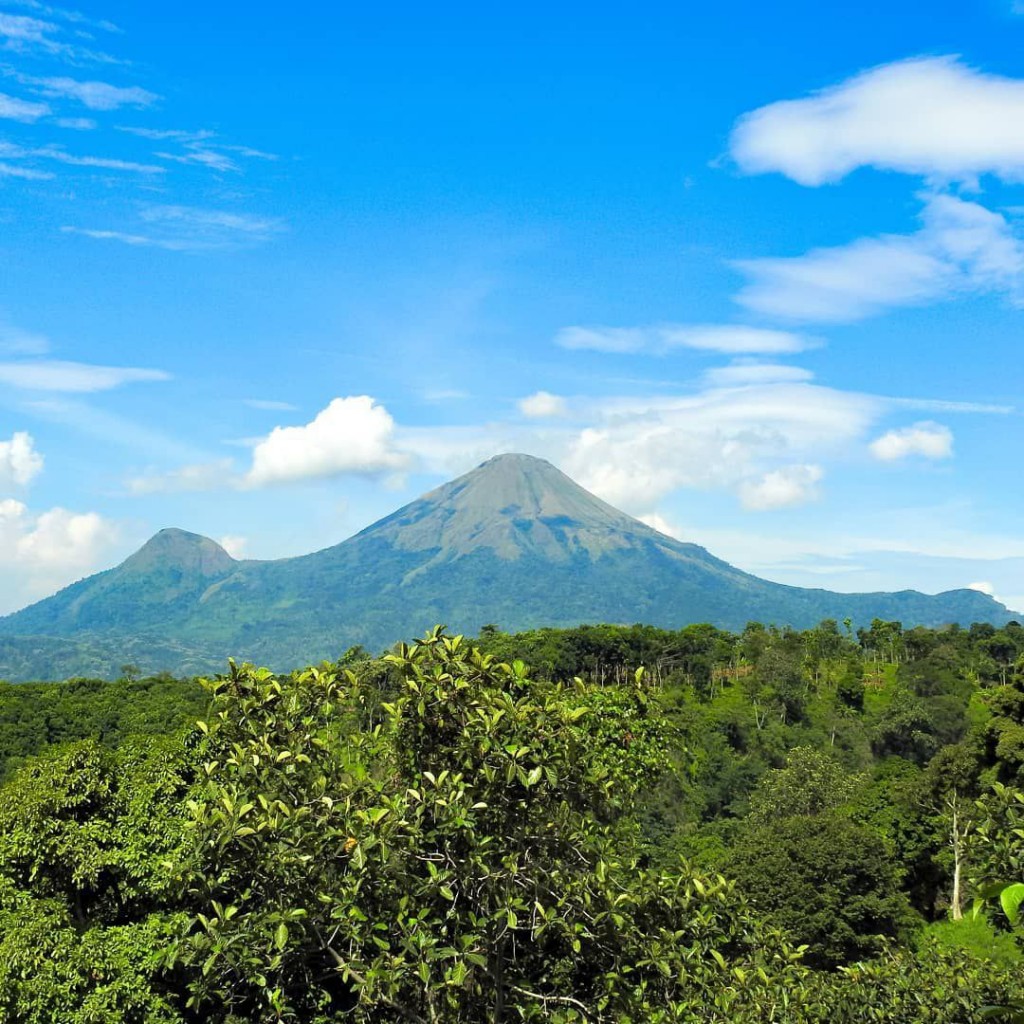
(637, 451)
(234, 546)
(658, 522)
(94, 95)
(927, 439)
(57, 375)
(20, 463)
(352, 435)
(983, 587)
(732, 339)
(732, 437)
(931, 116)
(41, 552)
(14, 109)
(59, 538)
(962, 247)
(781, 488)
(542, 405)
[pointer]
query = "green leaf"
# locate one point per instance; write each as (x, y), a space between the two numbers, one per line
(1010, 899)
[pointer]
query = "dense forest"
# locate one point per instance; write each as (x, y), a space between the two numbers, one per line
(598, 824)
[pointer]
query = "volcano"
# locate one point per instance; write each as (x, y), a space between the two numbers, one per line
(514, 542)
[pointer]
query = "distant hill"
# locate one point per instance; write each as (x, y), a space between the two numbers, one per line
(514, 542)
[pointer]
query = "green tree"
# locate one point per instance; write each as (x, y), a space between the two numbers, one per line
(87, 908)
(811, 782)
(472, 857)
(828, 881)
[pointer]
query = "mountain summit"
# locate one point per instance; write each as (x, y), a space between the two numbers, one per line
(515, 541)
(514, 506)
(177, 550)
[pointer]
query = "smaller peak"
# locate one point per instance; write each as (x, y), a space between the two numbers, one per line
(181, 549)
(172, 535)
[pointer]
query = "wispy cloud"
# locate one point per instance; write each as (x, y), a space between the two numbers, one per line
(19, 29)
(199, 218)
(188, 229)
(71, 377)
(930, 116)
(23, 34)
(163, 134)
(745, 372)
(64, 14)
(101, 96)
(105, 163)
(204, 476)
(127, 238)
(11, 151)
(661, 338)
(962, 247)
(209, 158)
(198, 148)
(13, 109)
(25, 173)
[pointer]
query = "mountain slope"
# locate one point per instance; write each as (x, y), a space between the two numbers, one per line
(161, 582)
(515, 542)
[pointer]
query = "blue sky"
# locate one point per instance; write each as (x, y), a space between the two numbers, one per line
(754, 273)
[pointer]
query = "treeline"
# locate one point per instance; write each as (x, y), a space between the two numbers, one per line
(765, 826)
(38, 716)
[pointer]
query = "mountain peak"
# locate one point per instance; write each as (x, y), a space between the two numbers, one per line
(519, 460)
(512, 504)
(181, 550)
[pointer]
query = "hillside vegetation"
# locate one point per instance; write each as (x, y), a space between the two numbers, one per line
(514, 541)
(602, 824)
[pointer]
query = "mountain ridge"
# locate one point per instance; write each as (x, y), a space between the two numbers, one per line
(514, 541)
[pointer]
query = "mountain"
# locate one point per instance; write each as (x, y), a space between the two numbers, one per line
(514, 542)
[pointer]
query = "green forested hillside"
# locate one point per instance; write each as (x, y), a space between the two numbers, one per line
(515, 541)
(766, 825)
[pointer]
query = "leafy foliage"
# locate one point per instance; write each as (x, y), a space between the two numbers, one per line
(87, 911)
(442, 834)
